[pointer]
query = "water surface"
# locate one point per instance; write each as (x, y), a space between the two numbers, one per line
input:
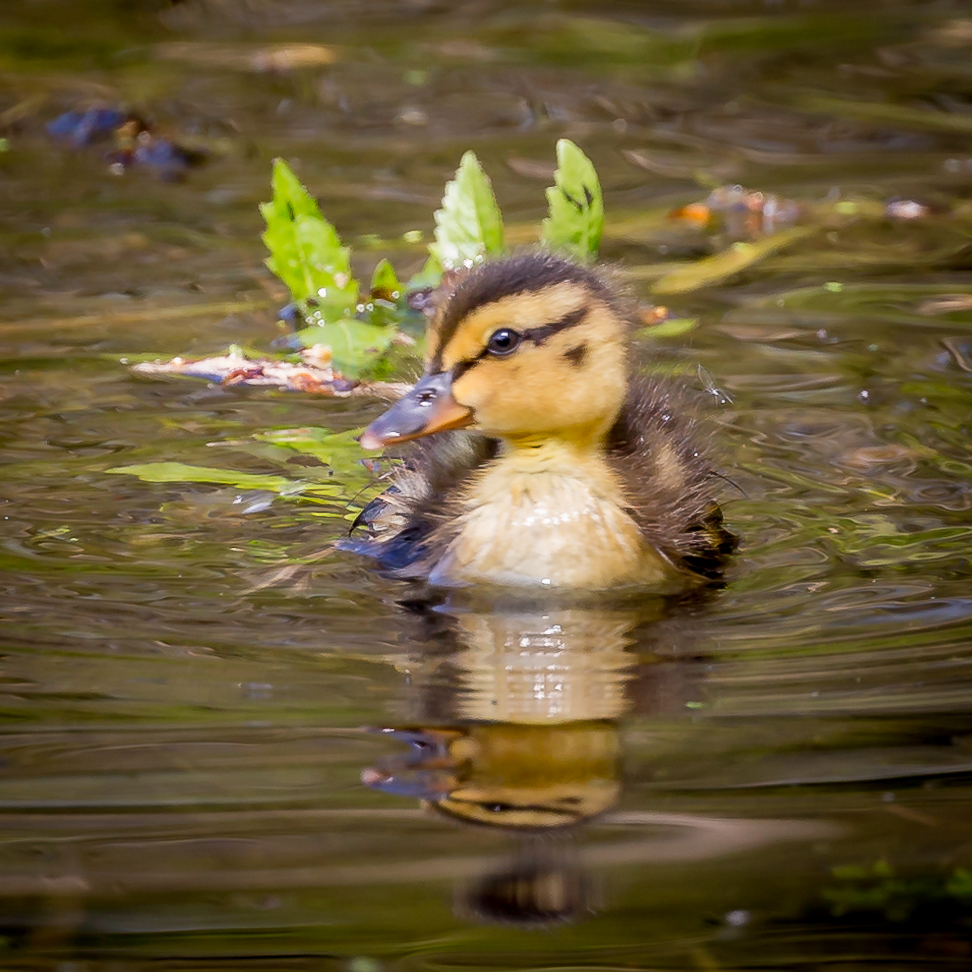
(190, 673)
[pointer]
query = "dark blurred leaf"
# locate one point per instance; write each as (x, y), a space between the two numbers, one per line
(884, 114)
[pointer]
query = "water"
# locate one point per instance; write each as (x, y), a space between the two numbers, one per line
(192, 678)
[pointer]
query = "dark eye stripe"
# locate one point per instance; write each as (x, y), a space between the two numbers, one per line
(536, 335)
(539, 335)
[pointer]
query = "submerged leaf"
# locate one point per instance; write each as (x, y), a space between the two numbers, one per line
(340, 451)
(305, 250)
(738, 257)
(469, 225)
(576, 218)
(337, 449)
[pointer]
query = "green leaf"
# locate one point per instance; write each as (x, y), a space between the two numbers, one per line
(290, 198)
(469, 225)
(354, 345)
(305, 250)
(384, 282)
(181, 472)
(673, 327)
(576, 218)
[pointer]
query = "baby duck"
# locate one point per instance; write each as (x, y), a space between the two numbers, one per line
(575, 473)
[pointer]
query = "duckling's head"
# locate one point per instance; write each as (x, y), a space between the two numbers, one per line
(533, 346)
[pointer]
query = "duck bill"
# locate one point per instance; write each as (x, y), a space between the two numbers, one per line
(428, 407)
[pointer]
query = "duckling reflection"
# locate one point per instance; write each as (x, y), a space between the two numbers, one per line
(540, 884)
(532, 702)
(518, 729)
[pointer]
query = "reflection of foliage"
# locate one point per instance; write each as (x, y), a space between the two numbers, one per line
(873, 889)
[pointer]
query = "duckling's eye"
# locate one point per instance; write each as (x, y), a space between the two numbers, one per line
(503, 341)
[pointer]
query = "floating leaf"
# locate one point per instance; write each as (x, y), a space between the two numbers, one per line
(384, 282)
(469, 225)
(738, 257)
(354, 345)
(338, 449)
(305, 250)
(181, 472)
(576, 218)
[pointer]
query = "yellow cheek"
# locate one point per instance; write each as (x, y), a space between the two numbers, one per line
(521, 392)
(486, 381)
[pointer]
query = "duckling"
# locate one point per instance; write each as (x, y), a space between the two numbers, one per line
(551, 465)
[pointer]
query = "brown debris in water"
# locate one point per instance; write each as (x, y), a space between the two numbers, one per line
(746, 213)
(313, 375)
(651, 315)
(945, 304)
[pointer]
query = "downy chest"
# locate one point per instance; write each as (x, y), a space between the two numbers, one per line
(547, 529)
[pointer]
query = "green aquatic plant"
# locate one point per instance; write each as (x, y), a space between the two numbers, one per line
(576, 218)
(861, 890)
(308, 256)
(469, 225)
(360, 325)
(305, 250)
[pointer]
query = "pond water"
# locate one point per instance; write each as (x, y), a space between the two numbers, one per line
(193, 680)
